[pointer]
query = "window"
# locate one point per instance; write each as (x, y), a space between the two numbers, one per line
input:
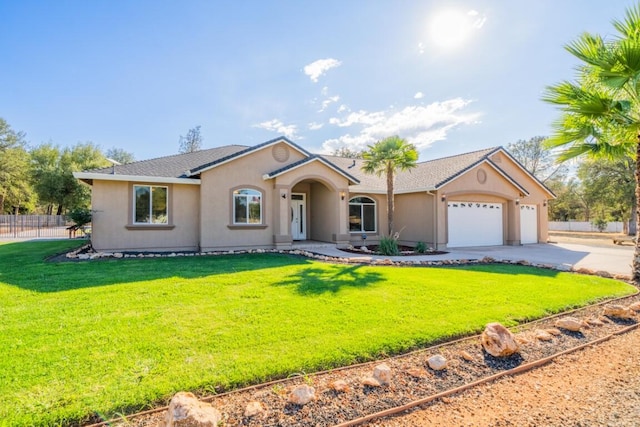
(150, 204)
(247, 206)
(362, 214)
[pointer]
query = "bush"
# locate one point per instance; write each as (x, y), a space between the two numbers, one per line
(81, 216)
(388, 246)
(600, 224)
(421, 247)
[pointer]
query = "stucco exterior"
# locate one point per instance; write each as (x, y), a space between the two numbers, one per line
(200, 199)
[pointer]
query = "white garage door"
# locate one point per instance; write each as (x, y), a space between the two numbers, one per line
(528, 224)
(474, 224)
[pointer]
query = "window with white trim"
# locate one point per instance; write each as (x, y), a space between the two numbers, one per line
(150, 204)
(247, 206)
(362, 215)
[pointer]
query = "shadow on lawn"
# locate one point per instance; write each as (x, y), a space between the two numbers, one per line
(316, 281)
(23, 264)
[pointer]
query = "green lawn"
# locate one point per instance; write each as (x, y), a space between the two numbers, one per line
(101, 337)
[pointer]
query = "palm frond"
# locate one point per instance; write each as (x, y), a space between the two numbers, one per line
(629, 27)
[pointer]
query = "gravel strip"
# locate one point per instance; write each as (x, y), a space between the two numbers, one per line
(412, 380)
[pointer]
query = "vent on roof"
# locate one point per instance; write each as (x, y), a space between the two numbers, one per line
(352, 165)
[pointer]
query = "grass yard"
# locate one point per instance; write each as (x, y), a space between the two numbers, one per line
(87, 339)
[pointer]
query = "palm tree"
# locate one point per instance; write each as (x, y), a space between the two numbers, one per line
(601, 109)
(385, 158)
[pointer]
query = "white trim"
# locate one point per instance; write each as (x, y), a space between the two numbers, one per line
(373, 203)
(495, 168)
(136, 178)
(135, 199)
(536, 180)
(234, 195)
(299, 202)
(267, 176)
(250, 151)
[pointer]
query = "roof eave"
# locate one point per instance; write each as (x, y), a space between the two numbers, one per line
(89, 177)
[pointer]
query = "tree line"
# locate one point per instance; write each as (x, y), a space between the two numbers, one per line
(39, 179)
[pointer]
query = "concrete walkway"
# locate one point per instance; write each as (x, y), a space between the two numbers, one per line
(615, 260)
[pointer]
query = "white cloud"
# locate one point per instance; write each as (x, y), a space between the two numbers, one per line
(418, 95)
(342, 108)
(420, 125)
(330, 100)
(275, 125)
(315, 126)
(319, 67)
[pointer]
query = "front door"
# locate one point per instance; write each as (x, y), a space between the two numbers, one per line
(298, 217)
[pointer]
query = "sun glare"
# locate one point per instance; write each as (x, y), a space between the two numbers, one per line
(451, 28)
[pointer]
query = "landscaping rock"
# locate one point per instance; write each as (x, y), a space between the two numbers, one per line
(382, 373)
(253, 408)
(371, 382)
(618, 311)
(635, 306)
(543, 335)
(437, 362)
(594, 322)
(569, 323)
(340, 386)
(467, 356)
(417, 372)
(302, 394)
(498, 341)
(185, 410)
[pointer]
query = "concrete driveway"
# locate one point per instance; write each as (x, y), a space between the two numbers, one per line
(614, 259)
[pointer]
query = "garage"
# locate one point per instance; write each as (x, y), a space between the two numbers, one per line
(474, 224)
(528, 224)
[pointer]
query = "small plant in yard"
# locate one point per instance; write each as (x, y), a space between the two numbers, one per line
(600, 224)
(278, 389)
(421, 247)
(389, 245)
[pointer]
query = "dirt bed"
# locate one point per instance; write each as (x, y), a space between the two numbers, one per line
(502, 403)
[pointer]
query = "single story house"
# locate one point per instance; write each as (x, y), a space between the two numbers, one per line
(274, 194)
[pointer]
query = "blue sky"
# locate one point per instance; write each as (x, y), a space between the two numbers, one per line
(449, 76)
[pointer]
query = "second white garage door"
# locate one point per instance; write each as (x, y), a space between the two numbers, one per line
(474, 224)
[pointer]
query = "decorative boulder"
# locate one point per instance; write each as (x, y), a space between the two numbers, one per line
(417, 372)
(302, 394)
(253, 408)
(185, 410)
(498, 341)
(382, 373)
(371, 382)
(543, 335)
(618, 311)
(635, 306)
(569, 323)
(340, 386)
(437, 362)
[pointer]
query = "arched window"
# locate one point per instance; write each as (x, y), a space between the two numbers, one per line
(247, 206)
(362, 215)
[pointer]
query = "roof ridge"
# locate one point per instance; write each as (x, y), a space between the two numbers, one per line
(488, 150)
(175, 155)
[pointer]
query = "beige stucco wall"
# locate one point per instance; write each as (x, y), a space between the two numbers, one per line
(537, 195)
(216, 199)
(112, 212)
(323, 213)
(413, 218)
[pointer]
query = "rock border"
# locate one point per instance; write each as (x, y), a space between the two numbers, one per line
(86, 253)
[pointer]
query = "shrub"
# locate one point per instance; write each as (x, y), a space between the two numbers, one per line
(388, 246)
(600, 224)
(421, 247)
(81, 216)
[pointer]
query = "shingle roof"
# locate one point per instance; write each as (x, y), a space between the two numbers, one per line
(312, 158)
(430, 174)
(174, 166)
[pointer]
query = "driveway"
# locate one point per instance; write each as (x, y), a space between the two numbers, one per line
(614, 259)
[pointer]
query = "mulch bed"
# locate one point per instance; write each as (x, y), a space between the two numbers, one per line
(412, 378)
